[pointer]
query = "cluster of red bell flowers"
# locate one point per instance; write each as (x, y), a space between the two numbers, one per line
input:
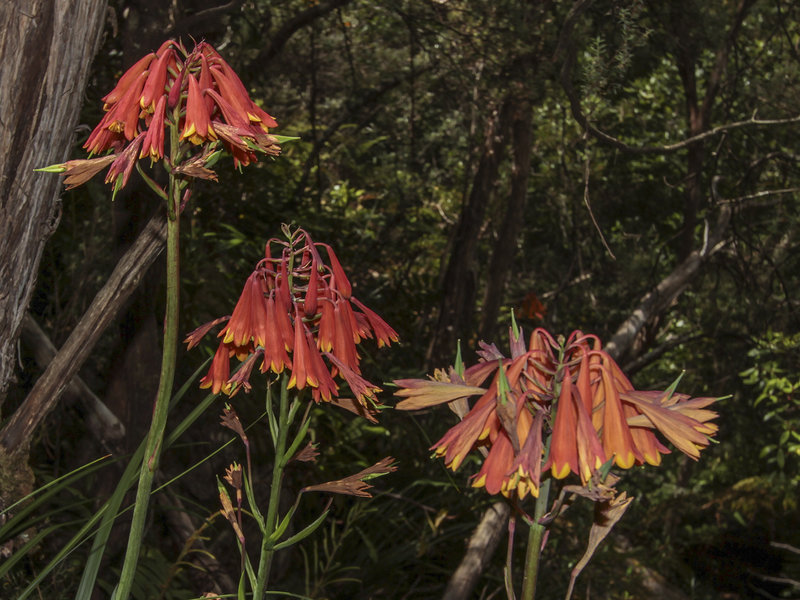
(297, 312)
(197, 92)
(559, 405)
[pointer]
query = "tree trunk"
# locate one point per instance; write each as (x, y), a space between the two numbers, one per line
(684, 20)
(459, 283)
(506, 246)
(46, 49)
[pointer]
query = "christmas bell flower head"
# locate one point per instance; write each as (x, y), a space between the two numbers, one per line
(293, 315)
(562, 406)
(195, 93)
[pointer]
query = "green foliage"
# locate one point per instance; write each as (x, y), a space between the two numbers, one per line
(777, 383)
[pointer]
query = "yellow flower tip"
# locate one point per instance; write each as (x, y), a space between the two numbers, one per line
(456, 462)
(485, 433)
(560, 472)
(228, 335)
(117, 127)
(522, 489)
(480, 482)
(626, 461)
(693, 451)
(653, 459)
(189, 131)
(276, 368)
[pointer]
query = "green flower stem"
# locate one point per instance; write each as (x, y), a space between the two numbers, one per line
(271, 522)
(156, 434)
(536, 530)
(535, 537)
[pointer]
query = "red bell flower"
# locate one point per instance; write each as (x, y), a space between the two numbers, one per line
(155, 86)
(123, 85)
(153, 145)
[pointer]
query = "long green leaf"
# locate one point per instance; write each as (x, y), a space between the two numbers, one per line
(284, 524)
(18, 522)
(300, 536)
(298, 439)
(58, 480)
(111, 507)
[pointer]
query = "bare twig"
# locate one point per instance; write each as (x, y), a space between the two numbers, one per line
(741, 200)
(192, 22)
(289, 28)
(586, 173)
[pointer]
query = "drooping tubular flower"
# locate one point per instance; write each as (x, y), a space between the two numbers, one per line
(571, 393)
(197, 93)
(297, 313)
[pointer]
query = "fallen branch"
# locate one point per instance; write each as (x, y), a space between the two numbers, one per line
(100, 421)
(480, 549)
(667, 291)
(16, 435)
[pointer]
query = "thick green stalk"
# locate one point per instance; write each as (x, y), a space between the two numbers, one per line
(535, 537)
(155, 436)
(267, 544)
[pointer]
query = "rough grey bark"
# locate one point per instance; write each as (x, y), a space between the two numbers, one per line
(46, 49)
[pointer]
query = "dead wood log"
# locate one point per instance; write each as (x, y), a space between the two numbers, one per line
(16, 435)
(100, 421)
